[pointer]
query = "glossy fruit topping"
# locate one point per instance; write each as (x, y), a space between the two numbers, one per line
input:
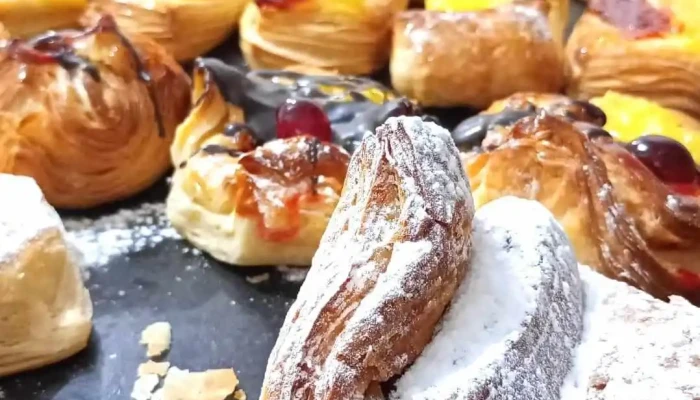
(592, 131)
(280, 4)
(301, 117)
(667, 158)
(689, 280)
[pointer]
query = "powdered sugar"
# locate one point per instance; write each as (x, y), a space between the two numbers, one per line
(516, 319)
(635, 346)
(126, 231)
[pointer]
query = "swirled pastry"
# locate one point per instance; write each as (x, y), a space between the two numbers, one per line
(45, 311)
(474, 58)
(622, 219)
(25, 18)
(390, 261)
(244, 205)
(342, 36)
(648, 48)
(186, 29)
(88, 115)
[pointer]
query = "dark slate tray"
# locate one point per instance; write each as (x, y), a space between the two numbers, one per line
(219, 319)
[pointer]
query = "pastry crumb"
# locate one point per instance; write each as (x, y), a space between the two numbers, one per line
(144, 386)
(153, 368)
(213, 384)
(239, 395)
(157, 338)
(256, 279)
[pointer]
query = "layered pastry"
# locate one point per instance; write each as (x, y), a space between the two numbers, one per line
(404, 228)
(471, 58)
(340, 36)
(89, 114)
(631, 211)
(186, 29)
(45, 311)
(248, 205)
(648, 48)
(25, 18)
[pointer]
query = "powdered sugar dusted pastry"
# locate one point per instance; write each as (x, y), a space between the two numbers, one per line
(393, 254)
(45, 311)
(516, 319)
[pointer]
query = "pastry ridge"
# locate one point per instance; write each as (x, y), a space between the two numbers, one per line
(366, 310)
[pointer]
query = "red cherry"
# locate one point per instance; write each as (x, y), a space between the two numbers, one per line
(279, 4)
(301, 117)
(666, 158)
(689, 280)
(687, 189)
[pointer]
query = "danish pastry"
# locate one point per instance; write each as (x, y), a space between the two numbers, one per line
(474, 58)
(341, 36)
(244, 205)
(403, 225)
(87, 114)
(186, 29)
(623, 220)
(645, 48)
(45, 311)
(25, 18)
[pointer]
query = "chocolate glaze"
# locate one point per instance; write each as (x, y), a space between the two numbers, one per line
(472, 131)
(637, 18)
(213, 149)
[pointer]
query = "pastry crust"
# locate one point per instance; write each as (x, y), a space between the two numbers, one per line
(474, 58)
(45, 311)
(246, 206)
(186, 29)
(83, 123)
(390, 261)
(25, 18)
(343, 36)
(663, 66)
(622, 220)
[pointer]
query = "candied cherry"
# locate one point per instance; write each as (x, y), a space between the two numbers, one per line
(666, 158)
(302, 117)
(689, 280)
(275, 3)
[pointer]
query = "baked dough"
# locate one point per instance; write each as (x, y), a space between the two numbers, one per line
(79, 116)
(390, 261)
(343, 36)
(474, 58)
(25, 18)
(185, 28)
(45, 311)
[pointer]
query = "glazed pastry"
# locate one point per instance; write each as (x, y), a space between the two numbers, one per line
(646, 48)
(474, 58)
(244, 205)
(624, 221)
(87, 114)
(518, 314)
(45, 311)
(341, 36)
(186, 29)
(25, 18)
(389, 263)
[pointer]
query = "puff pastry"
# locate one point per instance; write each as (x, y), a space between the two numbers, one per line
(185, 28)
(404, 226)
(341, 36)
(474, 58)
(45, 311)
(244, 205)
(622, 220)
(648, 48)
(87, 114)
(25, 18)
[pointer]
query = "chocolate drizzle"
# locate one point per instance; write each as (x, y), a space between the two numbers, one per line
(214, 149)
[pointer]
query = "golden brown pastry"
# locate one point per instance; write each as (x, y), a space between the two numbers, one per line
(622, 218)
(648, 48)
(185, 28)
(390, 261)
(25, 18)
(343, 36)
(87, 114)
(244, 205)
(475, 58)
(45, 311)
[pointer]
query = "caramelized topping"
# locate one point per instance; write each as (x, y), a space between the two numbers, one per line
(637, 18)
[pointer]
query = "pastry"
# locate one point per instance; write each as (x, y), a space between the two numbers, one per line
(515, 321)
(87, 114)
(403, 225)
(251, 206)
(185, 28)
(341, 36)
(45, 311)
(645, 48)
(25, 18)
(630, 211)
(474, 58)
